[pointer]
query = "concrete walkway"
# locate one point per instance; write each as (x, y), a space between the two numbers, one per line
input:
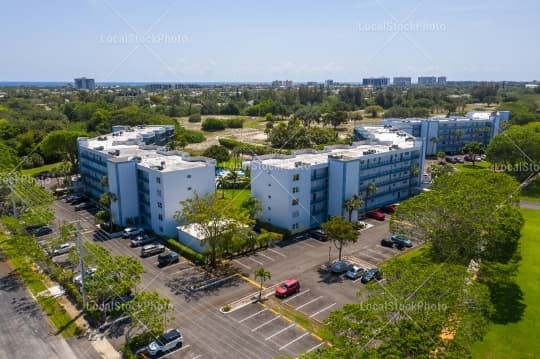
(529, 205)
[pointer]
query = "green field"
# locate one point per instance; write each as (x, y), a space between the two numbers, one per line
(236, 196)
(519, 337)
(44, 168)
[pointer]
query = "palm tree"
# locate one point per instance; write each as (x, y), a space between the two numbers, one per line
(262, 275)
(253, 206)
(352, 204)
(221, 184)
(371, 189)
(441, 156)
(106, 200)
(434, 140)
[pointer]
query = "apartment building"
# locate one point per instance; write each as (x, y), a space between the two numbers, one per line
(147, 181)
(83, 83)
(376, 82)
(300, 191)
(402, 81)
(451, 134)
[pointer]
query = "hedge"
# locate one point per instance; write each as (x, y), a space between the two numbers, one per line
(185, 251)
(213, 124)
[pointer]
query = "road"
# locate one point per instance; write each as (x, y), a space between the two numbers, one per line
(25, 331)
(529, 205)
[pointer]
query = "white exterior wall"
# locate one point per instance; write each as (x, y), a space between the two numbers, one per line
(123, 183)
(174, 187)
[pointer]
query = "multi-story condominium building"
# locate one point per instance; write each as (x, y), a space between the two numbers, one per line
(402, 81)
(451, 134)
(301, 191)
(84, 84)
(427, 80)
(376, 82)
(147, 181)
(441, 81)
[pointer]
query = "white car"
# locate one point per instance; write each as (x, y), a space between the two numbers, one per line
(169, 340)
(132, 231)
(63, 249)
(89, 272)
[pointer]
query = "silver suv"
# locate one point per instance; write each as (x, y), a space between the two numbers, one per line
(169, 340)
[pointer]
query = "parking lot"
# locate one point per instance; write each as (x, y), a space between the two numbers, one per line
(253, 331)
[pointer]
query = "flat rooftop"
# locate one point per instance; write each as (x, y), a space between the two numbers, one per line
(470, 116)
(128, 145)
(381, 139)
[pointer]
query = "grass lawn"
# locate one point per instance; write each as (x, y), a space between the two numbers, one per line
(468, 167)
(44, 168)
(237, 196)
(520, 339)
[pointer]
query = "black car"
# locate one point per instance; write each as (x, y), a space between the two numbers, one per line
(340, 267)
(41, 231)
(32, 228)
(450, 159)
(371, 274)
(78, 200)
(387, 243)
(319, 235)
(165, 259)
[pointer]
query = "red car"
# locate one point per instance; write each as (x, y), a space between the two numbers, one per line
(389, 209)
(378, 215)
(290, 286)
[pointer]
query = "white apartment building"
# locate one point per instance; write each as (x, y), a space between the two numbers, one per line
(450, 134)
(147, 181)
(300, 191)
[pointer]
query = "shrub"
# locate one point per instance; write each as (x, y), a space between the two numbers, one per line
(193, 136)
(185, 251)
(226, 308)
(213, 124)
(237, 122)
(194, 117)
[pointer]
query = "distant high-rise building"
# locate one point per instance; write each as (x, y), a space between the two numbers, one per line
(441, 81)
(288, 83)
(402, 81)
(376, 82)
(84, 84)
(277, 83)
(427, 80)
(329, 83)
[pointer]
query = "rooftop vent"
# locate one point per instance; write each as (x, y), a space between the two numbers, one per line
(102, 138)
(98, 148)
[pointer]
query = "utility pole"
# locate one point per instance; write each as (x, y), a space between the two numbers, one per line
(81, 263)
(13, 202)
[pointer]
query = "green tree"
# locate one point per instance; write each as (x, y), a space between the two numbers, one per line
(61, 144)
(374, 110)
(352, 204)
(335, 118)
(340, 231)
(217, 152)
(253, 206)
(440, 156)
(149, 313)
(371, 189)
(473, 149)
(262, 275)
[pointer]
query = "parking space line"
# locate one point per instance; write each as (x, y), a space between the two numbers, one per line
(276, 252)
(265, 323)
(294, 340)
(182, 270)
(171, 265)
(253, 315)
(256, 261)
(375, 259)
(265, 256)
(308, 303)
(242, 264)
(280, 331)
(176, 351)
(314, 348)
(378, 254)
(296, 295)
(197, 357)
(322, 310)
(304, 242)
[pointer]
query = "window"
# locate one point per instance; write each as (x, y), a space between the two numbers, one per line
(269, 185)
(188, 176)
(295, 214)
(158, 192)
(158, 179)
(269, 208)
(295, 202)
(189, 188)
(295, 226)
(160, 217)
(160, 205)
(296, 177)
(161, 229)
(269, 196)
(295, 190)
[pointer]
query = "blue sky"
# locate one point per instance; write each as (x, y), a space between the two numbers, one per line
(203, 40)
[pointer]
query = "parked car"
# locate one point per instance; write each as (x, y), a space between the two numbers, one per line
(81, 206)
(152, 249)
(89, 273)
(288, 287)
(459, 160)
(41, 231)
(401, 241)
(141, 240)
(62, 249)
(354, 273)
(371, 274)
(131, 231)
(340, 267)
(318, 234)
(378, 215)
(31, 229)
(387, 243)
(389, 209)
(165, 259)
(450, 159)
(78, 200)
(117, 302)
(169, 340)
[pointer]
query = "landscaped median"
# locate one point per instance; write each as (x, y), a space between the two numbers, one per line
(35, 282)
